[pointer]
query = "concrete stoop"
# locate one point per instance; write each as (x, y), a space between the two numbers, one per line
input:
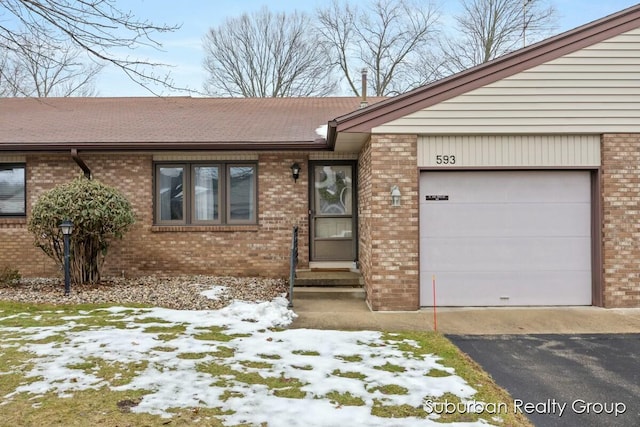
(328, 281)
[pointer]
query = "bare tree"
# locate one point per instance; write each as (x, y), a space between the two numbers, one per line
(266, 55)
(487, 29)
(390, 38)
(39, 68)
(98, 27)
(9, 75)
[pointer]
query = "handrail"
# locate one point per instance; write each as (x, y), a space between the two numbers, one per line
(293, 262)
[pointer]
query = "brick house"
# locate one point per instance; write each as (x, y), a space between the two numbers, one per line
(518, 180)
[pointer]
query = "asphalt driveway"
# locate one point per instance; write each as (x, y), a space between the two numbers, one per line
(564, 380)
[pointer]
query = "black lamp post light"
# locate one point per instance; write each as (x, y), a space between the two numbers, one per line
(66, 227)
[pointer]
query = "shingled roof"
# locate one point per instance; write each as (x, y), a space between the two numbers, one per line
(167, 123)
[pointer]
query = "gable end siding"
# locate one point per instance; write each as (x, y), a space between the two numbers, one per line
(592, 91)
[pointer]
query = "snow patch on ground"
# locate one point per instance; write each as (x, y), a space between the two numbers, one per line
(311, 356)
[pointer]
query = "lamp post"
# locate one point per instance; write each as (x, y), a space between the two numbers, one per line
(66, 227)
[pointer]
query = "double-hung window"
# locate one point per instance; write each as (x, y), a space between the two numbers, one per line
(217, 193)
(12, 189)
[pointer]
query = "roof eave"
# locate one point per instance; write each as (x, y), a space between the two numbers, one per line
(318, 144)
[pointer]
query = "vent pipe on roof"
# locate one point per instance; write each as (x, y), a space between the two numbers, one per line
(81, 163)
(363, 102)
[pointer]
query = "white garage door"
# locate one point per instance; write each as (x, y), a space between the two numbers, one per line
(505, 238)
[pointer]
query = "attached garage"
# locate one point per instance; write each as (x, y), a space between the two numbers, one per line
(519, 179)
(494, 238)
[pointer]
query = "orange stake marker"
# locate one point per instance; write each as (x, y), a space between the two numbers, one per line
(435, 318)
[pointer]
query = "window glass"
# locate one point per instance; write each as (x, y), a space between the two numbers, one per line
(241, 193)
(206, 192)
(171, 194)
(12, 190)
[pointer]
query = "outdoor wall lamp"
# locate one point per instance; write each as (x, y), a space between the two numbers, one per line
(66, 227)
(395, 196)
(295, 171)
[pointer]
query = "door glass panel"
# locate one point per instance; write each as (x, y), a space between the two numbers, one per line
(333, 228)
(333, 190)
(171, 186)
(206, 193)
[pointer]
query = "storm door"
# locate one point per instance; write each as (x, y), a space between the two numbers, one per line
(332, 210)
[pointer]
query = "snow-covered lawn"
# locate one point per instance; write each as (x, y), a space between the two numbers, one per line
(239, 360)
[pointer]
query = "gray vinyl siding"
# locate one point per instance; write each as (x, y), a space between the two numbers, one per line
(595, 90)
(509, 151)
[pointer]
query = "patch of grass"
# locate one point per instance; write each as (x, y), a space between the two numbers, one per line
(255, 364)
(270, 356)
(220, 370)
(91, 324)
(87, 408)
(454, 416)
(224, 352)
(290, 393)
(31, 320)
(114, 372)
(192, 356)
(397, 411)
(165, 349)
(306, 352)
(349, 374)
(344, 399)
(167, 337)
(437, 373)
(196, 416)
(389, 389)
(217, 334)
(371, 344)
(50, 339)
(390, 367)
(228, 394)
(145, 320)
(174, 329)
(15, 363)
(303, 367)
(350, 358)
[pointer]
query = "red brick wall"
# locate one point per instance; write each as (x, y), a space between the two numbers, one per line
(390, 235)
(364, 217)
(621, 220)
(261, 250)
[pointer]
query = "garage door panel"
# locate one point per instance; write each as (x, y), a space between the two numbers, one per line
(461, 220)
(506, 237)
(509, 255)
(507, 289)
(482, 187)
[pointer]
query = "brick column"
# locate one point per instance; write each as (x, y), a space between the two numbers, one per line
(389, 235)
(621, 220)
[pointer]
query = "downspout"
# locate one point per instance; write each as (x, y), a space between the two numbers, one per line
(81, 163)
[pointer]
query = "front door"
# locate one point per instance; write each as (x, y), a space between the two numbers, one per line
(331, 215)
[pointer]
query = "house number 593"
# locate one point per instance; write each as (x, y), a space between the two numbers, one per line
(445, 159)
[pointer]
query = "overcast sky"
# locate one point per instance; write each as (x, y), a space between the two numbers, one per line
(183, 49)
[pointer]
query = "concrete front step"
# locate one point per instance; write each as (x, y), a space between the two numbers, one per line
(330, 279)
(329, 289)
